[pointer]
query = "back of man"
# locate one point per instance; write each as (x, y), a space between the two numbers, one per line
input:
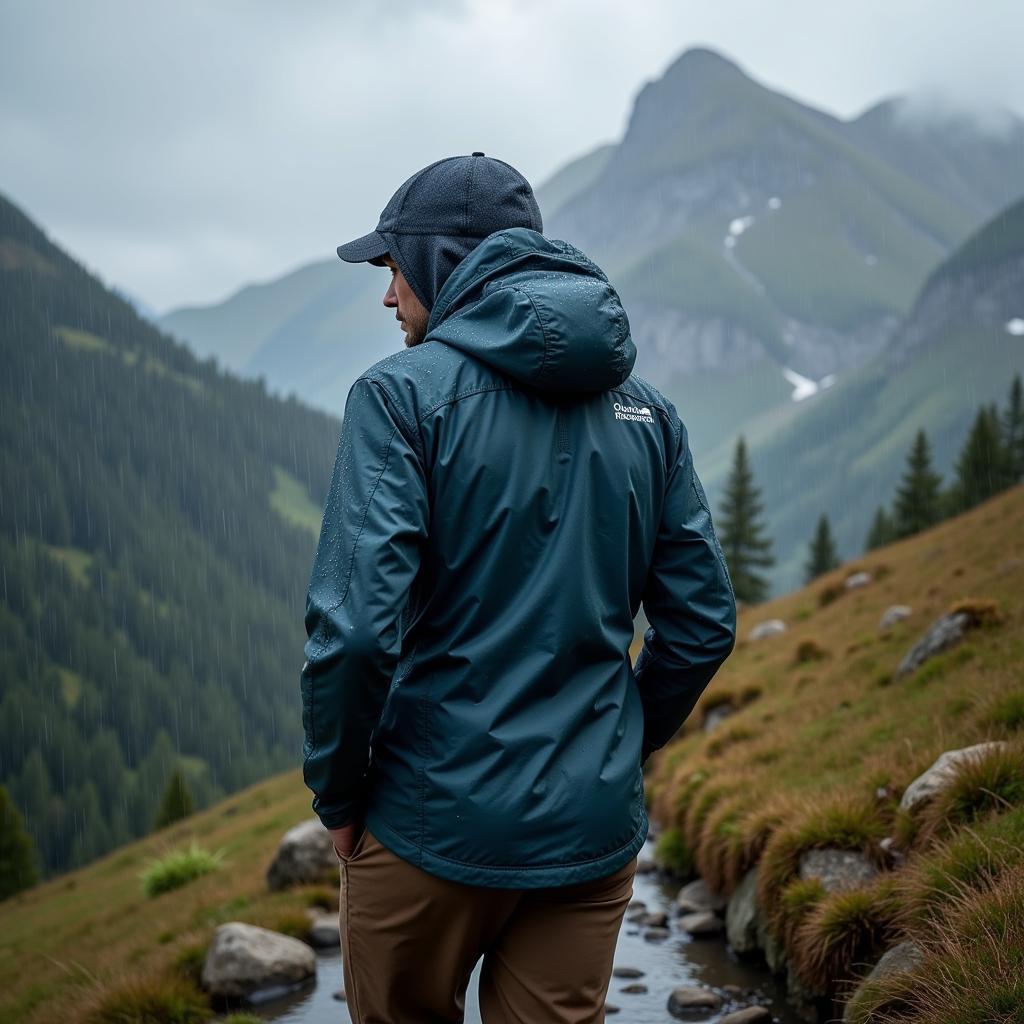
(505, 496)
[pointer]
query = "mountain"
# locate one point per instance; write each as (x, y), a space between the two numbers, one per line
(762, 247)
(959, 347)
(157, 524)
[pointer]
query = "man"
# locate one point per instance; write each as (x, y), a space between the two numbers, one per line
(504, 497)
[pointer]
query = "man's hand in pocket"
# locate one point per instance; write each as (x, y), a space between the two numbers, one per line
(346, 837)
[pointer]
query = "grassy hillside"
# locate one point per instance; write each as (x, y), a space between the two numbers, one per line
(157, 527)
(824, 740)
(832, 731)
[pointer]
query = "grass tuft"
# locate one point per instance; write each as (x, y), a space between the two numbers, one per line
(178, 868)
(164, 999)
(673, 854)
(990, 782)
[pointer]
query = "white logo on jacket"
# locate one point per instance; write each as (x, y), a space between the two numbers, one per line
(631, 412)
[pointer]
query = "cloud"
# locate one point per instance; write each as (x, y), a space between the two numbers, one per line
(186, 149)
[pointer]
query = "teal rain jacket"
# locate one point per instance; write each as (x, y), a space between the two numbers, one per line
(505, 495)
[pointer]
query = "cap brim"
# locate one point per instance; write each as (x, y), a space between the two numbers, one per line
(365, 249)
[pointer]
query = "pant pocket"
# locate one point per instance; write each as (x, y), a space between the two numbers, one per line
(356, 850)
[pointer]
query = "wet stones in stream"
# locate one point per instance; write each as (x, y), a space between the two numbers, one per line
(693, 1002)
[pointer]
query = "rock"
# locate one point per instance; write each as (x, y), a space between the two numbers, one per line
(691, 1002)
(324, 932)
(893, 614)
(627, 972)
(243, 959)
(645, 866)
(893, 854)
(717, 715)
(837, 870)
(636, 916)
(635, 988)
(655, 919)
(608, 1008)
(742, 916)
(697, 896)
(774, 950)
(770, 627)
(805, 1001)
(942, 773)
(702, 924)
(943, 633)
(903, 957)
(656, 934)
(748, 1015)
(636, 905)
(856, 580)
(305, 854)
(340, 996)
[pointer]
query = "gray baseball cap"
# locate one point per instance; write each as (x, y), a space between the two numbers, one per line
(440, 214)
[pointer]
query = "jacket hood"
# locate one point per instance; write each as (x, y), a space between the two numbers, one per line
(537, 309)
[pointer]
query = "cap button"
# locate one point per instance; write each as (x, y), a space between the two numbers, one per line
(478, 153)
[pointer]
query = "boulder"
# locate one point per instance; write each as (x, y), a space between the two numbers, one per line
(770, 627)
(748, 1015)
(324, 931)
(942, 773)
(943, 633)
(697, 896)
(837, 870)
(717, 715)
(244, 959)
(609, 1008)
(656, 934)
(691, 1002)
(742, 916)
(893, 614)
(305, 854)
(702, 924)
(856, 580)
(655, 919)
(902, 957)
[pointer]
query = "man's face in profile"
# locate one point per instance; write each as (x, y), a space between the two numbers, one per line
(409, 311)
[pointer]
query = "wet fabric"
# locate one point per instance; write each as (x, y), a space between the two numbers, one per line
(505, 495)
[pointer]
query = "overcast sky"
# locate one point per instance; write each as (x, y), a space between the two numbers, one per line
(181, 150)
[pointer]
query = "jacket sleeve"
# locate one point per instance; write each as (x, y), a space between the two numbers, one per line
(689, 602)
(374, 522)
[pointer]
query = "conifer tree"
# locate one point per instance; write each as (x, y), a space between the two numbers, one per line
(882, 532)
(18, 868)
(742, 537)
(1013, 431)
(176, 803)
(983, 468)
(823, 555)
(918, 502)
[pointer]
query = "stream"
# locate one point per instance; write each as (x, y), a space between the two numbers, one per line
(667, 964)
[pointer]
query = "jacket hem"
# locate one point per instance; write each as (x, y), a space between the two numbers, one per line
(516, 876)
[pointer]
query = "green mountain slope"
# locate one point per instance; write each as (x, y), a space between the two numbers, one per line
(157, 526)
(845, 452)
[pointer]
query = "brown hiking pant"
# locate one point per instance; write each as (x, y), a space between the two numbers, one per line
(410, 941)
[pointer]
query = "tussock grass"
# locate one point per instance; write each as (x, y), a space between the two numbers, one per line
(164, 999)
(178, 868)
(673, 853)
(846, 932)
(720, 832)
(292, 922)
(990, 782)
(970, 861)
(845, 823)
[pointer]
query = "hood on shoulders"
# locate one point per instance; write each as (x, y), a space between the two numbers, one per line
(537, 309)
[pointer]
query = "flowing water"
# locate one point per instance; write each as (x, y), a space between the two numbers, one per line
(667, 964)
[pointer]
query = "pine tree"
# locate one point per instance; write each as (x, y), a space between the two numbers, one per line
(882, 532)
(744, 544)
(918, 502)
(823, 555)
(983, 468)
(18, 868)
(1013, 431)
(176, 803)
